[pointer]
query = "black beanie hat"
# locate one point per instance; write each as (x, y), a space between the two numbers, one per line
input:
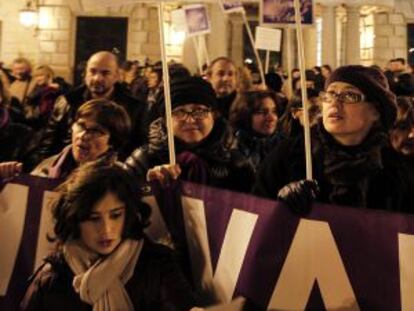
(191, 90)
(373, 84)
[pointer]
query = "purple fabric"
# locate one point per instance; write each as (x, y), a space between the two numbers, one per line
(194, 168)
(55, 171)
(367, 241)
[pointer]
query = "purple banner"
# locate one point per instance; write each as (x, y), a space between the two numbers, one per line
(336, 258)
(363, 249)
(21, 205)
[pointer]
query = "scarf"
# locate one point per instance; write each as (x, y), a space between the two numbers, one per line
(100, 281)
(349, 168)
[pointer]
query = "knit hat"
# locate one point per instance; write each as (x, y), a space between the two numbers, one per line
(373, 84)
(191, 90)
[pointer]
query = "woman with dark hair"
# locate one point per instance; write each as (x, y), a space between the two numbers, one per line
(103, 259)
(255, 119)
(204, 142)
(353, 163)
(326, 71)
(100, 129)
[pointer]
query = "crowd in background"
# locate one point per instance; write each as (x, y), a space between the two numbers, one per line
(231, 131)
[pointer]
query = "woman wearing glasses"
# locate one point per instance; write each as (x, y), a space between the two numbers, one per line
(203, 142)
(99, 130)
(353, 163)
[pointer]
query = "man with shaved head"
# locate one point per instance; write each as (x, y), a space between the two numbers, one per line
(101, 81)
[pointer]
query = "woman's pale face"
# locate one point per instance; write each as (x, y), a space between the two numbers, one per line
(192, 129)
(102, 231)
(89, 140)
(348, 123)
(264, 119)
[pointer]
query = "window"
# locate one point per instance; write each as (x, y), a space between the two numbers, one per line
(366, 29)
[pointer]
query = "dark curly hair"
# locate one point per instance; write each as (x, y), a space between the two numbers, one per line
(85, 187)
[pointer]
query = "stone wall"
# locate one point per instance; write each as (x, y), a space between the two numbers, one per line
(55, 39)
(390, 37)
(52, 42)
(143, 36)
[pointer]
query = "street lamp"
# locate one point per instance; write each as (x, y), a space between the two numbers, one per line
(28, 15)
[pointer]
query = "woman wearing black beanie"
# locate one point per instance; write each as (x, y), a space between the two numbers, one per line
(353, 163)
(205, 147)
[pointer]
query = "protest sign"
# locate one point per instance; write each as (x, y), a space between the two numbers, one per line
(268, 39)
(231, 6)
(197, 20)
(282, 13)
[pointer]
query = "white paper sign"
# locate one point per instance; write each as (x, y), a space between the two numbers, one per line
(268, 39)
(178, 20)
(196, 19)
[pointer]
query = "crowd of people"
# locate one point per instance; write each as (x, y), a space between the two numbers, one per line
(107, 138)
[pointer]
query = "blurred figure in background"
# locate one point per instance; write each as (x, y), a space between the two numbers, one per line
(41, 100)
(23, 84)
(326, 71)
(291, 122)
(222, 74)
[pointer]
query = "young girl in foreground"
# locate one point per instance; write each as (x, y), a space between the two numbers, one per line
(104, 261)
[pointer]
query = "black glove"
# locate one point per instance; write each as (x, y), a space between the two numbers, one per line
(299, 195)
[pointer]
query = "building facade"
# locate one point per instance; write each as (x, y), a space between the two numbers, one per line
(360, 31)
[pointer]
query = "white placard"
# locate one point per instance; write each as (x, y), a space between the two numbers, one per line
(268, 39)
(178, 20)
(197, 21)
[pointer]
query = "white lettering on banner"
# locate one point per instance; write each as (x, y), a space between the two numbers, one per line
(157, 230)
(406, 257)
(233, 251)
(44, 247)
(313, 247)
(197, 240)
(13, 205)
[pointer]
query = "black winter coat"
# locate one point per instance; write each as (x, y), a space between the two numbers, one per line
(226, 167)
(255, 148)
(157, 284)
(385, 186)
(58, 131)
(17, 142)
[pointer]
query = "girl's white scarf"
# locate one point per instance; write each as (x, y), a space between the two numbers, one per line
(100, 281)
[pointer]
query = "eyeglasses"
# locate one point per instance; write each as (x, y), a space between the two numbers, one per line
(93, 132)
(345, 97)
(196, 114)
